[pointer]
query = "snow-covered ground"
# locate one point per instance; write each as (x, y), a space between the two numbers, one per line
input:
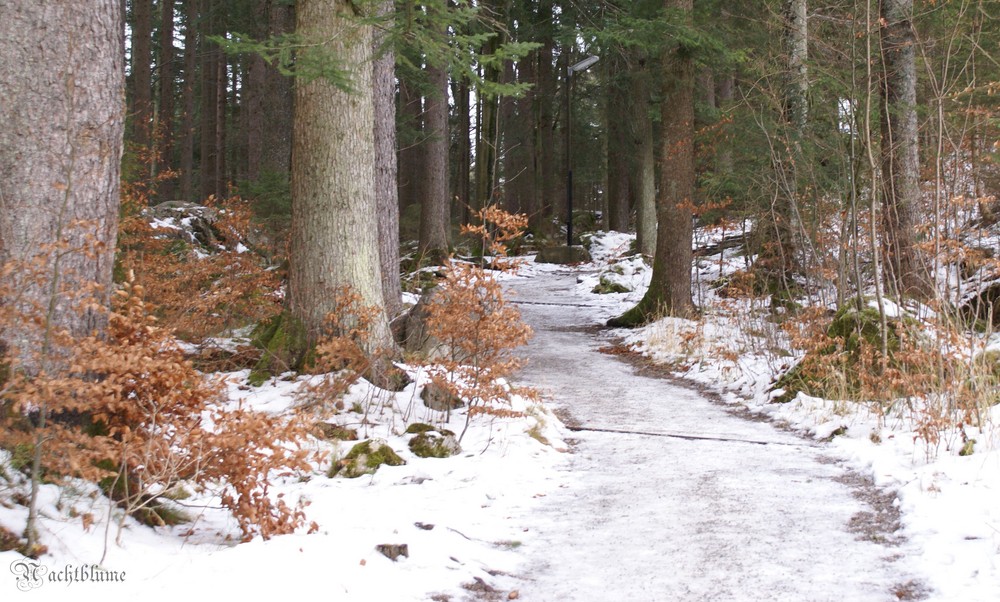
(950, 504)
(688, 503)
(460, 517)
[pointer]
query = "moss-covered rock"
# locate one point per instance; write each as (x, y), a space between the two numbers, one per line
(862, 328)
(440, 398)
(435, 444)
(833, 370)
(607, 286)
(419, 427)
(365, 458)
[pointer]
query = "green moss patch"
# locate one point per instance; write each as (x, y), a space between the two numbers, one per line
(606, 286)
(434, 443)
(419, 427)
(834, 370)
(365, 458)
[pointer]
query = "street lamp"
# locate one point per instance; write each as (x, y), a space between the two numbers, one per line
(581, 66)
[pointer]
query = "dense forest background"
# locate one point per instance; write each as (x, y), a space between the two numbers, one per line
(792, 103)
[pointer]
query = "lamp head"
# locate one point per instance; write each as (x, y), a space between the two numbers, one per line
(584, 64)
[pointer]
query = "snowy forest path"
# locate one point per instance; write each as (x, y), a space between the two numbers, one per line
(669, 496)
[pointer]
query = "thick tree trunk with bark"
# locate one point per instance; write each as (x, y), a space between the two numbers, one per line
(796, 40)
(905, 268)
(334, 212)
(796, 115)
(435, 206)
(670, 287)
(62, 76)
(386, 199)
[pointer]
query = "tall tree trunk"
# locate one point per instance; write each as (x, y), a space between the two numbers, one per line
(644, 182)
(781, 254)
(725, 84)
(62, 70)
(670, 286)
(410, 166)
(276, 138)
(463, 153)
(254, 113)
(560, 161)
(777, 260)
(706, 85)
(221, 105)
(724, 98)
(208, 165)
(905, 267)
(188, 99)
(386, 199)
(486, 152)
(526, 178)
(796, 39)
(142, 93)
(268, 98)
(334, 213)
(547, 155)
(486, 140)
(165, 128)
(487, 137)
(435, 206)
(620, 147)
(510, 144)
(60, 154)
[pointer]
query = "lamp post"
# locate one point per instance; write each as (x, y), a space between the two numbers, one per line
(581, 66)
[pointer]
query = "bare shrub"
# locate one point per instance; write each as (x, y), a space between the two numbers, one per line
(479, 329)
(128, 410)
